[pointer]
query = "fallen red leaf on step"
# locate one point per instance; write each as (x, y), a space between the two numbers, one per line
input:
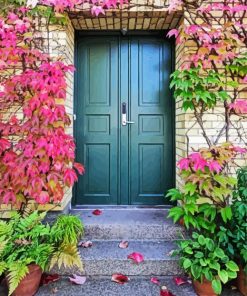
(180, 280)
(155, 280)
(86, 244)
(48, 278)
(136, 257)
(78, 280)
(119, 278)
(123, 244)
(165, 292)
(97, 212)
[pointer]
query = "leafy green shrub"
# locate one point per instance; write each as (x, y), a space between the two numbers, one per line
(201, 257)
(25, 240)
(233, 236)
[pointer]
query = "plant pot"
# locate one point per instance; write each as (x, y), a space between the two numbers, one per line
(204, 288)
(181, 222)
(242, 281)
(29, 285)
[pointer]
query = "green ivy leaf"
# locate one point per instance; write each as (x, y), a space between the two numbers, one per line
(201, 240)
(223, 275)
(176, 213)
(187, 263)
(232, 266)
(226, 213)
(196, 271)
(216, 284)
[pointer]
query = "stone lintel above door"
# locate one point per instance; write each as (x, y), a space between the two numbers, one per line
(137, 15)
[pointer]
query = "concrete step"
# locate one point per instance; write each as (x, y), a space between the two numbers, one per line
(106, 258)
(103, 286)
(137, 286)
(130, 223)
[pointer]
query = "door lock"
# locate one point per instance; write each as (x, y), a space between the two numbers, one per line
(124, 115)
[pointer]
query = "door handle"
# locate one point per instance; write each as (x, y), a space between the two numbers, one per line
(124, 115)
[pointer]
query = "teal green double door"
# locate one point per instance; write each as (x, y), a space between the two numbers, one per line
(124, 79)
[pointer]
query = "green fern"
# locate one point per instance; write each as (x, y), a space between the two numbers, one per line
(25, 240)
(67, 256)
(3, 243)
(16, 272)
(3, 267)
(5, 228)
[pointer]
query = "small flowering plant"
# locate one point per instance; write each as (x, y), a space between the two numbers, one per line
(208, 188)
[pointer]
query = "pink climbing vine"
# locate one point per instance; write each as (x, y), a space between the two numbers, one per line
(37, 155)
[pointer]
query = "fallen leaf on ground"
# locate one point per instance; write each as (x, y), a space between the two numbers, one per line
(119, 278)
(180, 280)
(97, 212)
(165, 292)
(78, 280)
(48, 278)
(136, 257)
(54, 290)
(155, 280)
(86, 244)
(170, 253)
(123, 244)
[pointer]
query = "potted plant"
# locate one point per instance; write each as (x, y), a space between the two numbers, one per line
(233, 235)
(28, 247)
(207, 264)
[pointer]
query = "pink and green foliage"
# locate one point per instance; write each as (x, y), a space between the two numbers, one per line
(218, 36)
(208, 187)
(37, 157)
(97, 6)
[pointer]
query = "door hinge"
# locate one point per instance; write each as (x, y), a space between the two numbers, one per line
(74, 117)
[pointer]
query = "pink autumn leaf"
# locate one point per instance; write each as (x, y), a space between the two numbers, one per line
(49, 278)
(123, 244)
(97, 212)
(119, 278)
(165, 292)
(87, 244)
(78, 280)
(79, 167)
(179, 280)
(239, 149)
(239, 106)
(42, 198)
(214, 166)
(173, 32)
(70, 177)
(199, 162)
(155, 280)
(192, 29)
(136, 257)
(183, 163)
(96, 10)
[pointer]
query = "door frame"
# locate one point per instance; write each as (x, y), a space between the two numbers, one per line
(79, 35)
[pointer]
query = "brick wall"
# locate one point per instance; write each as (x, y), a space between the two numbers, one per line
(188, 132)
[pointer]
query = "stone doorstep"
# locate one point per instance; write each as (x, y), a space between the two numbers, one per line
(106, 258)
(103, 286)
(129, 224)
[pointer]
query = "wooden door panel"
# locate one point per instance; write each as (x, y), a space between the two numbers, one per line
(151, 160)
(97, 120)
